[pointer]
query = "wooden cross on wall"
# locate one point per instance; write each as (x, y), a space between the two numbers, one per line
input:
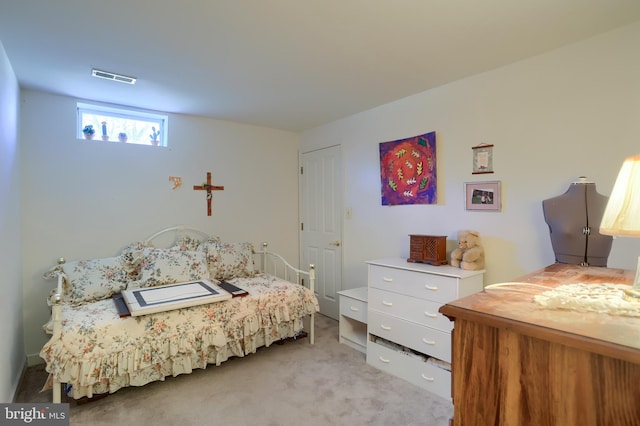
(208, 187)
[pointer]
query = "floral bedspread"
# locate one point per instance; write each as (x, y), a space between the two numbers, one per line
(98, 352)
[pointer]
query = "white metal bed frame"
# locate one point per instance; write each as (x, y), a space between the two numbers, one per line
(271, 263)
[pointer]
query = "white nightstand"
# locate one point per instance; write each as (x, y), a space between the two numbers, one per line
(353, 318)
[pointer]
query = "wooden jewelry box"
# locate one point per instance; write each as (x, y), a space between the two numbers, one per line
(430, 249)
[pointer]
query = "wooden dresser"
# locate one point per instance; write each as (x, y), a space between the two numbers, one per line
(407, 336)
(515, 362)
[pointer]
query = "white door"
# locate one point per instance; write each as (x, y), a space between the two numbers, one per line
(321, 223)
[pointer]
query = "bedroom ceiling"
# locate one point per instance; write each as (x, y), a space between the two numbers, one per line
(286, 64)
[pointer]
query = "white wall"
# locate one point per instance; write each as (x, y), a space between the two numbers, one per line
(552, 118)
(12, 354)
(85, 199)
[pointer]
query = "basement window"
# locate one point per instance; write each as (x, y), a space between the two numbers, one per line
(110, 124)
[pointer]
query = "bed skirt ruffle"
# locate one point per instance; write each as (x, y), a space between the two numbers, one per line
(99, 352)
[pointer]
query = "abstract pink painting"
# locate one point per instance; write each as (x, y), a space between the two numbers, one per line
(408, 170)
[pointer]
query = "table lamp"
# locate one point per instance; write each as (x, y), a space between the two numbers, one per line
(622, 214)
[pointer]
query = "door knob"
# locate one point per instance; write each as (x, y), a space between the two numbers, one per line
(335, 243)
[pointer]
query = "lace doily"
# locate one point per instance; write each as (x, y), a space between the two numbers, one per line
(603, 298)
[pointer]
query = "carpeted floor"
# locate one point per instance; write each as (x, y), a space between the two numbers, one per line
(290, 384)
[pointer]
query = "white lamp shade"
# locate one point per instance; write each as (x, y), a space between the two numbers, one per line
(622, 214)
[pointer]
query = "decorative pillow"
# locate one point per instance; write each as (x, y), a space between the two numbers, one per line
(167, 266)
(132, 256)
(133, 253)
(229, 260)
(187, 242)
(90, 280)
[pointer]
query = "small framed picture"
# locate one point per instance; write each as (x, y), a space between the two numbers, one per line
(483, 196)
(482, 159)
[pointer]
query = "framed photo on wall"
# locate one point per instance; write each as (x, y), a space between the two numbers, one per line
(483, 196)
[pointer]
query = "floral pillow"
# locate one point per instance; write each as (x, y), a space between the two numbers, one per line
(229, 260)
(132, 256)
(167, 266)
(187, 242)
(91, 280)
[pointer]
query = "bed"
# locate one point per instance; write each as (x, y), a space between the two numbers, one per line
(94, 350)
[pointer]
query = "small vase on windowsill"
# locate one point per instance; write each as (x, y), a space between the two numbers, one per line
(122, 137)
(88, 131)
(154, 137)
(105, 137)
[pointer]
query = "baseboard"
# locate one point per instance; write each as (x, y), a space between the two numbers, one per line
(29, 361)
(20, 379)
(34, 359)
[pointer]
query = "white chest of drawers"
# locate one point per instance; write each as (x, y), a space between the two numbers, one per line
(407, 336)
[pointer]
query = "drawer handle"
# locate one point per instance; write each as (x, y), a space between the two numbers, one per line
(428, 342)
(385, 360)
(385, 303)
(354, 309)
(432, 288)
(430, 315)
(388, 280)
(385, 327)
(427, 378)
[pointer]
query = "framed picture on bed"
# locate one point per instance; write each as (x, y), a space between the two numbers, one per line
(483, 196)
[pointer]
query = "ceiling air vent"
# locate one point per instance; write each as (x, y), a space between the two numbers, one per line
(112, 76)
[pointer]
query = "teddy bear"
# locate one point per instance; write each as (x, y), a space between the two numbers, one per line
(469, 255)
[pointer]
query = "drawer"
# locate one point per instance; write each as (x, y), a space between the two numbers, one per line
(414, 370)
(423, 339)
(417, 284)
(416, 310)
(353, 308)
